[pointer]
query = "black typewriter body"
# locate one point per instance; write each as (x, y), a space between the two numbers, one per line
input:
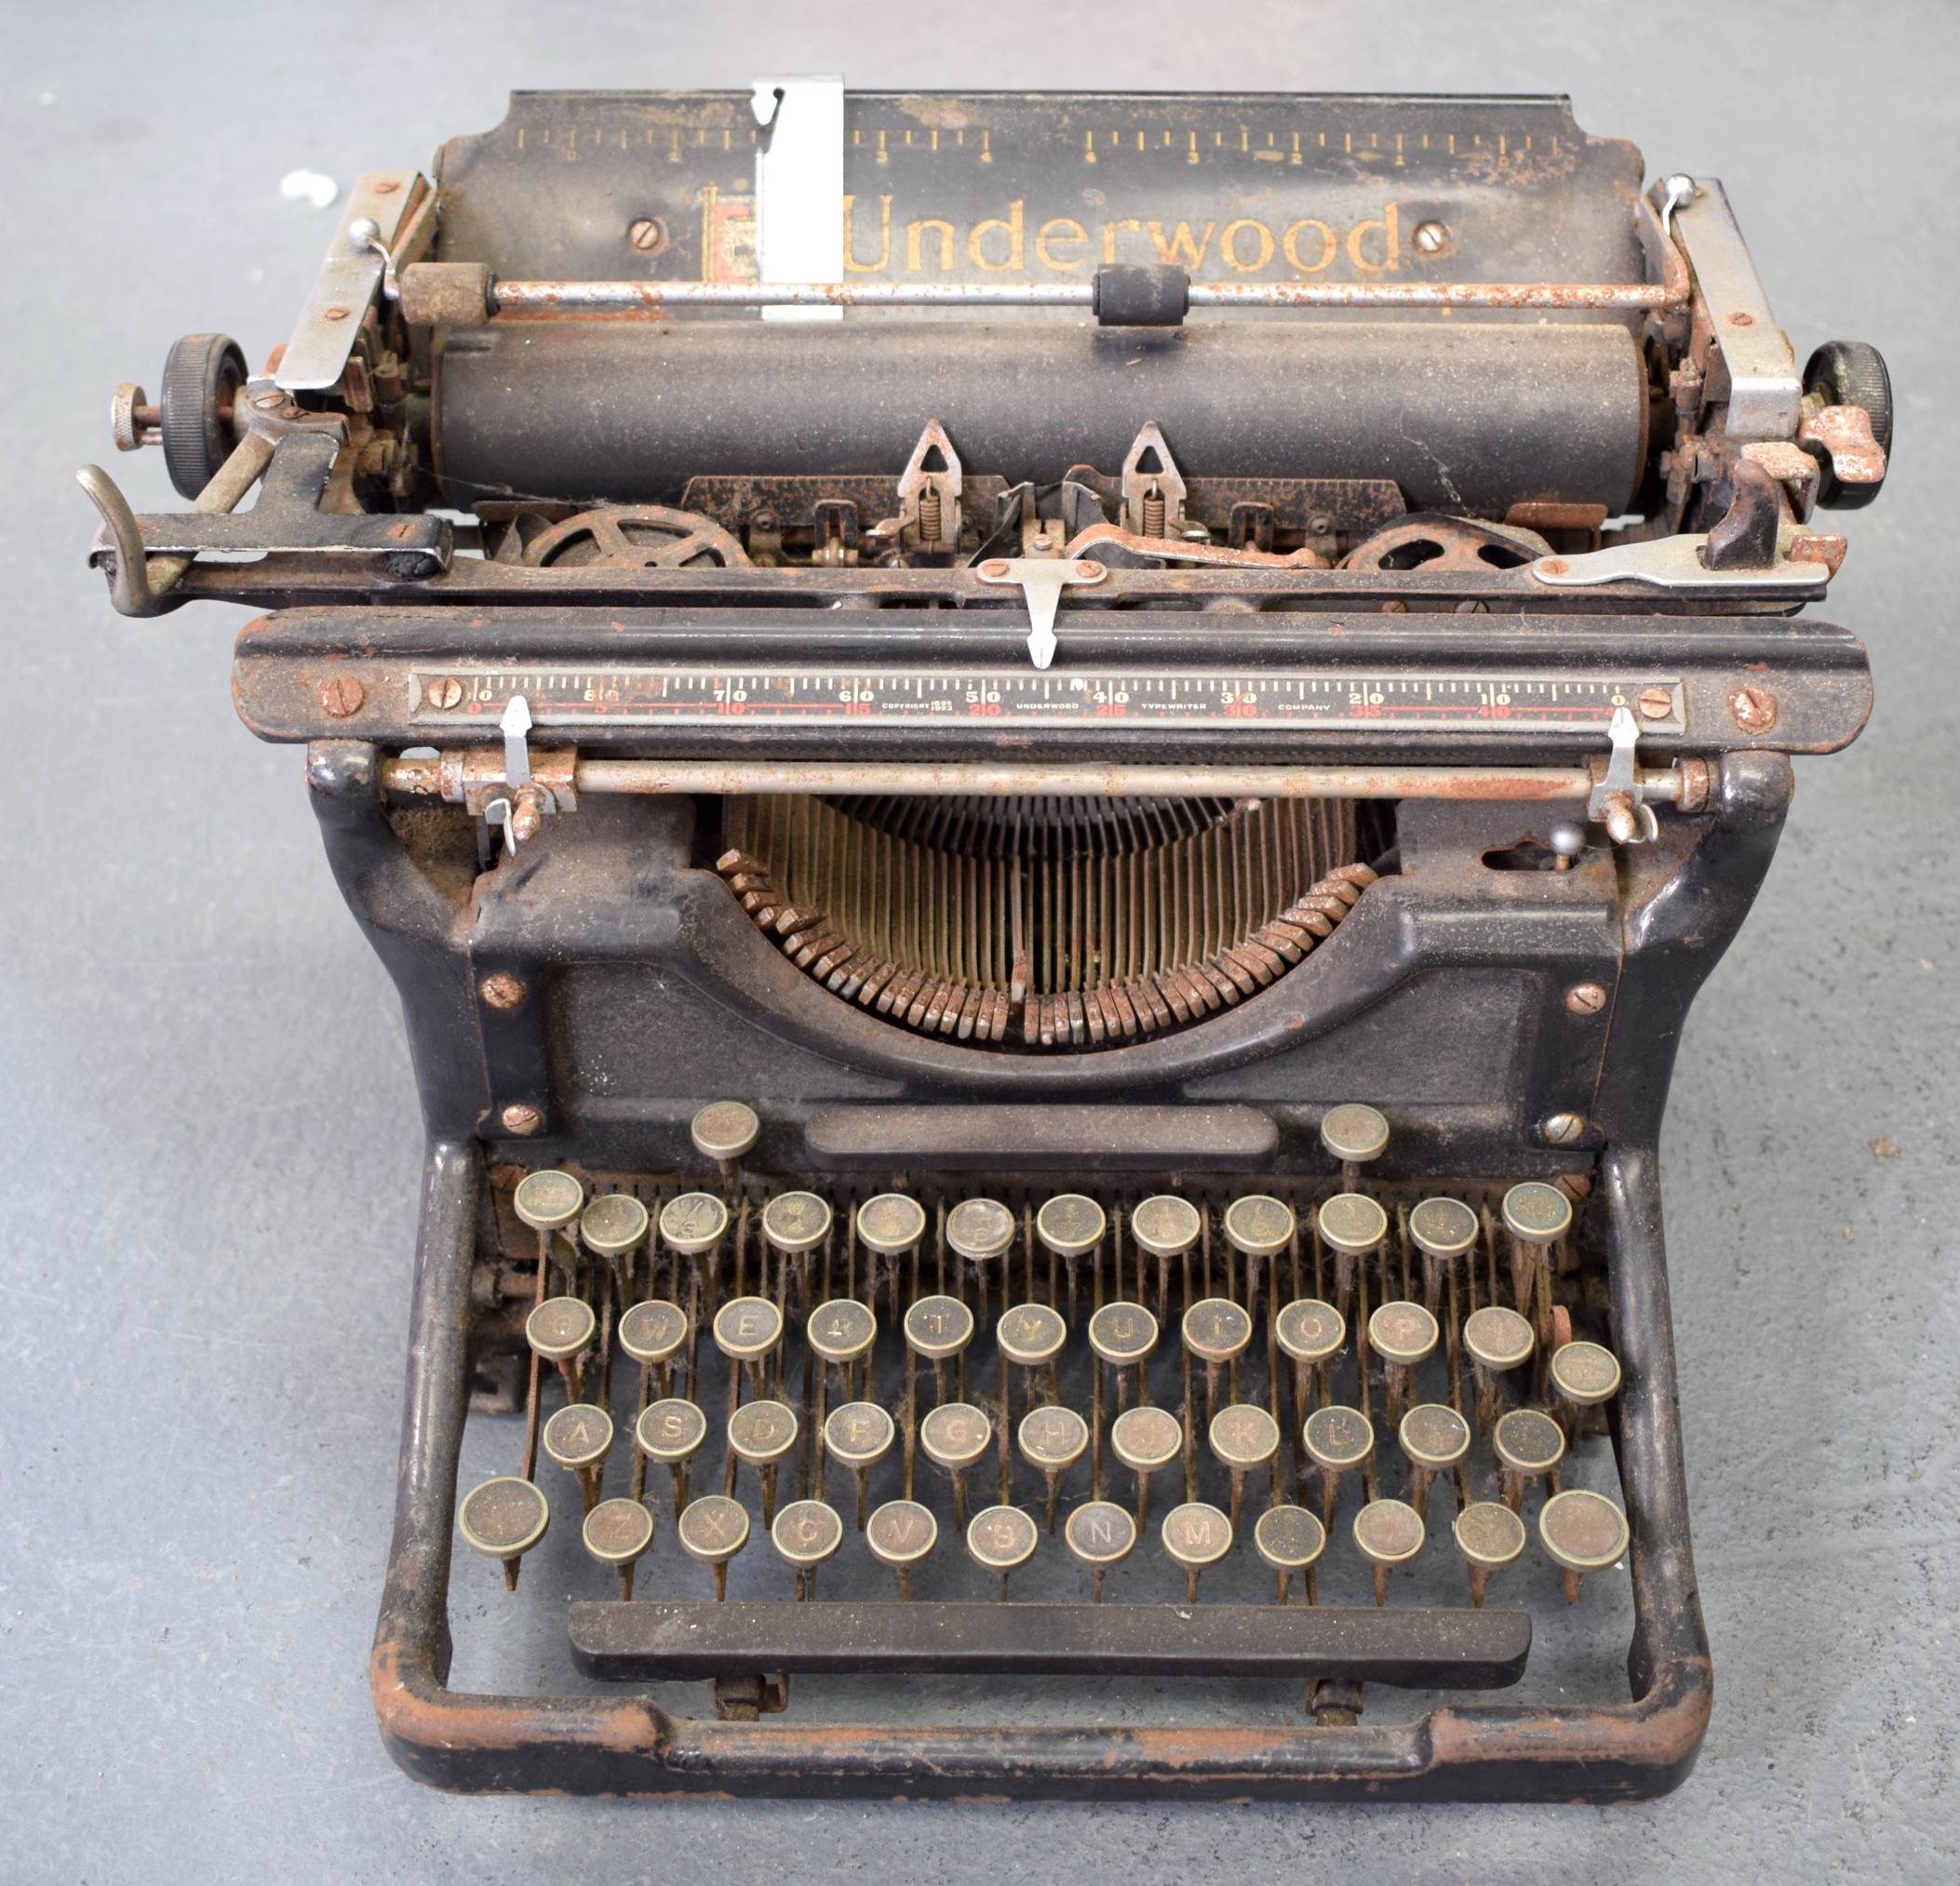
(1046, 777)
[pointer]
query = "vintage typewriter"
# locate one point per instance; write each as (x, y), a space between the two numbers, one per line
(1046, 776)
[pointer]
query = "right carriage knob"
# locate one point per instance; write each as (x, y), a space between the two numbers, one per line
(1847, 425)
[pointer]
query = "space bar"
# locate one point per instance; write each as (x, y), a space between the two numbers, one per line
(1416, 1648)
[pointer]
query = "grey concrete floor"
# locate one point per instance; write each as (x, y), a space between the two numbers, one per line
(210, 1140)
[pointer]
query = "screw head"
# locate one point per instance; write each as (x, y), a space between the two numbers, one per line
(994, 567)
(520, 1119)
(1088, 570)
(1754, 709)
(1742, 318)
(1585, 998)
(444, 691)
(333, 313)
(386, 187)
(1431, 238)
(1654, 704)
(648, 234)
(268, 402)
(1562, 1128)
(342, 696)
(502, 990)
(1552, 565)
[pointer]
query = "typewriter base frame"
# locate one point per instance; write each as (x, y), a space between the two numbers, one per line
(627, 1744)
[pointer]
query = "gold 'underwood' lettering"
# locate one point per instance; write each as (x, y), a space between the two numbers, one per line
(1109, 229)
(1182, 244)
(1060, 229)
(1391, 249)
(1262, 238)
(1011, 228)
(915, 239)
(1290, 242)
(852, 264)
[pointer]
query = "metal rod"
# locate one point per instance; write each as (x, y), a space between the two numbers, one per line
(931, 778)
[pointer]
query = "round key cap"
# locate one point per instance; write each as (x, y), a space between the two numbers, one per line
(613, 1224)
(1196, 1536)
(546, 1201)
(1071, 1225)
(654, 1331)
(1536, 1214)
(618, 1532)
(1289, 1538)
(561, 1327)
(1053, 1439)
(796, 1222)
(1442, 1228)
(979, 1228)
(670, 1431)
(1353, 1223)
(841, 1330)
(1582, 1531)
(1529, 1442)
(1388, 1532)
(938, 1327)
(762, 1432)
(1001, 1537)
(713, 1529)
(1165, 1226)
(1310, 1330)
(806, 1532)
(858, 1433)
(955, 1435)
(1100, 1535)
(1215, 1329)
(747, 1328)
(1030, 1335)
(1434, 1436)
(724, 1129)
(1498, 1338)
(1585, 1373)
(1122, 1334)
(1402, 1334)
(693, 1222)
(1245, 1436)
(1338, 1438)
(578, 1435)
(1258, 1225)
(1146, 1439)
(504, 1517)
(890, 1223)
(1489, 1536)
(901, 1533)
(1354, 1134)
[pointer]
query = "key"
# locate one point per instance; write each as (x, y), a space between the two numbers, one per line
(891, 1223)
(1355, 1135)
(711, 1531)
(1529, 1445)
(1444, 1230)
(1337, 1440)
(1070, 1226)
(723, 1130)
(841, 1331)
(761, 1433)
(670, 1432)
(578, 1437)
(1216, 1330)
(1311, 1331)
(613, 1227)
(1403, 1335)
(747, 1329)
(548, 1202)
(1052, 1439)
(693, 1224)
(978, 1230)
(1195, 1535)
(1146, 1441)
(938, 1327)
(1125, 1336)
(1435, 1439)
(1582, 1532)
(504, 1518)
(1030, 1336)
(796, 1223)
(805, 1533)
(1100, 1535)
(1490, 1537)
(1002, 1538)
(1352, 1224)
(652, 1333)
(560, 1330)
(859, 1434)
(616, 1534)
(1165, 1226)
(1290, 1539)
(1585, 1374)
(1498, 1340)
(1258, 1225)
(954, 1436)
(1244, 1436)
(1537, 1216)
(899, 1535)
(1387, 1533)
